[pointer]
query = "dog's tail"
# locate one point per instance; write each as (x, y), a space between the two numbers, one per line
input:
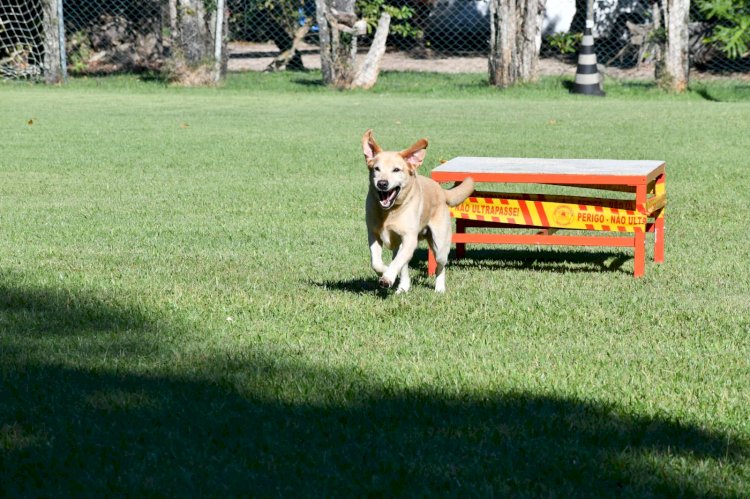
(458, 194)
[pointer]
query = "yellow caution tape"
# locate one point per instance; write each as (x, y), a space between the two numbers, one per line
(539, 213)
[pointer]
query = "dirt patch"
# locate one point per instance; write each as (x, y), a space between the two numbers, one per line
(257, 57)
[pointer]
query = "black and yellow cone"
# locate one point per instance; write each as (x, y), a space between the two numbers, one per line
(587, 73)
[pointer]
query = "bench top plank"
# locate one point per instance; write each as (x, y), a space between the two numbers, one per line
(548, 166)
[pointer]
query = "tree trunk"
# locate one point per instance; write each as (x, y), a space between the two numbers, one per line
(514, 31)
(367, 74)
(676, 63)
(193, 43)
(339, 30)
(54, 72)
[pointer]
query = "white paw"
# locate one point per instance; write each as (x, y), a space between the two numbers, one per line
(385, 282)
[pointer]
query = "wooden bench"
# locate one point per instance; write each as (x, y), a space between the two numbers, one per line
(615, 221)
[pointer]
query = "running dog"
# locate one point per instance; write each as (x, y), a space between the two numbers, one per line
(403, 207)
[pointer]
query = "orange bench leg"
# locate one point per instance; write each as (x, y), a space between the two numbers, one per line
(640, 237)
(460, 247)
(431, 262)
(640, 254)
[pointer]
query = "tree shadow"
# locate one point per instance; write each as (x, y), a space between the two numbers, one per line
(703, 92)
(34, 314)
(257, 424)
(311, 83)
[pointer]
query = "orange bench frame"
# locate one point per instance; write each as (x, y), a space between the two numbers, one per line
(648, 186)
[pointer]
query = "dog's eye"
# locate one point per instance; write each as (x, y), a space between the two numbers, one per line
(377, 168)
(396, 170)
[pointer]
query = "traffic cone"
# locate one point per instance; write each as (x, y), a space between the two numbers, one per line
(587, 73)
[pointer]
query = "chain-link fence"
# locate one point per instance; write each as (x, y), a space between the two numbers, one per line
(630, 34)
(106, 36)
(452, 35)
(21, 38)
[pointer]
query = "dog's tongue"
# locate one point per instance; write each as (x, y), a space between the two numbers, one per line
(387, 196)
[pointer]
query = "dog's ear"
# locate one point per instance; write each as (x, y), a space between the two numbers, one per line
(415, 154)
(370, 147)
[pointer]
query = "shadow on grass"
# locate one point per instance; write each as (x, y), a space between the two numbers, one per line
(560, 261)
(357, 286)
(723, 93)
(315, 82)
(541, 260)
(500, 259)
(257, 424)
(704, 92)
(39, 312)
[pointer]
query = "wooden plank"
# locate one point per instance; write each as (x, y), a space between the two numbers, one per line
(536, 178)
(551, 166)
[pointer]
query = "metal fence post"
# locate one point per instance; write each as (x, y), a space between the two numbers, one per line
(218, 39)
(61, 34)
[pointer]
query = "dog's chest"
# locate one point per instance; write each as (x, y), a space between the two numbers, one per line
(390, 239)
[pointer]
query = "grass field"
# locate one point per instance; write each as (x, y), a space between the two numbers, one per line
(187, 308)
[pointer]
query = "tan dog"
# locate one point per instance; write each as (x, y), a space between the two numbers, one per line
(403, 207)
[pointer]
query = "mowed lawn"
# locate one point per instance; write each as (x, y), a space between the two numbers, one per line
(187, 308)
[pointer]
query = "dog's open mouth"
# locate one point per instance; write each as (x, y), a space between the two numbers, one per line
(387, 198)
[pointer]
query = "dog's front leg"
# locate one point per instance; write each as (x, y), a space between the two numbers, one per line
(404, 281)
(402, 258)
(376, 254)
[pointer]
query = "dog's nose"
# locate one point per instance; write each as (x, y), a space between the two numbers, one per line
(382, 184)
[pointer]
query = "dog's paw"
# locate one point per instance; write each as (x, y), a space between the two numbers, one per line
(385, 282)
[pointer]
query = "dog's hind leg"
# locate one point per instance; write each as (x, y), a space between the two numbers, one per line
(440, 244)
(441, 256)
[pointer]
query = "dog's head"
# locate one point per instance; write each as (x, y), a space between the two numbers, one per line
(391, 172)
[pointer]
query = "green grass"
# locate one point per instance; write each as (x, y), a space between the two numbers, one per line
(186, 304)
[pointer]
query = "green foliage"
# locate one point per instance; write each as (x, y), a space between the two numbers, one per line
(732, 32)
(658, 36)
(255, 17)
(210, 6)
(400, 16)
(79, 51)
(565, 43)
(284, 12)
